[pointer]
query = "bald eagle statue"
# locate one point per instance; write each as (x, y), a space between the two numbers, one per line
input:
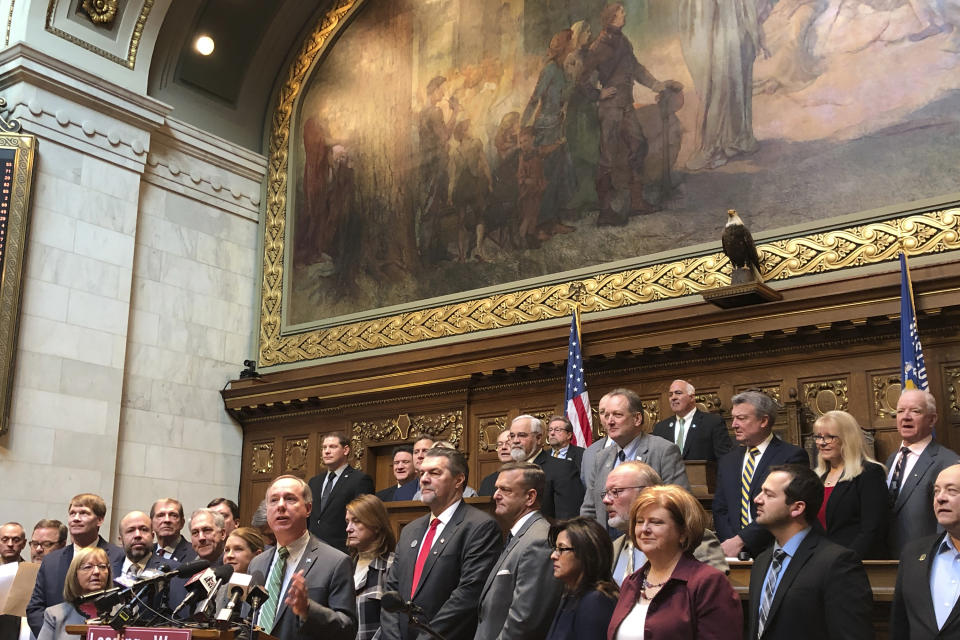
(739, 247)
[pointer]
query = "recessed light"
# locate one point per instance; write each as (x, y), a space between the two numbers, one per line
(204, 45)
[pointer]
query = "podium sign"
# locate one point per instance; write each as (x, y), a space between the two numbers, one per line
(103, 632)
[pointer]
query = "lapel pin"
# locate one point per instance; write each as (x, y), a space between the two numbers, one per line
(923, 557)
(442, 540)
(413, 544)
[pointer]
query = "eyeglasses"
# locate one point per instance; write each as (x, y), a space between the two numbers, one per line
(46, 544)
(87, 568)
(559, 550)
(616, 491)
(825, 437)
(11, 539)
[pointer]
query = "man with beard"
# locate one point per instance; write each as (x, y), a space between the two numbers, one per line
(136, 535)
(564, 491)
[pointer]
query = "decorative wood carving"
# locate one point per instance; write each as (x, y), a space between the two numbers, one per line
(951, 378)
(885, 389)
(262, 459)
(445, 425)
(709, 401)
(295, 456)
(821, 396)
(651, 410)
(489, 429)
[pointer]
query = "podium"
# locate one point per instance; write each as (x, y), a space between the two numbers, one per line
(104, 632)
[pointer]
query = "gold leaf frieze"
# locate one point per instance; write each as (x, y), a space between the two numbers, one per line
(100, 11)
(446, 425)
(825, 251)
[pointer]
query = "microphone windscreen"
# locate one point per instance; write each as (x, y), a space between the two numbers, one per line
(223, 572)
(187, 569)
(391, 601)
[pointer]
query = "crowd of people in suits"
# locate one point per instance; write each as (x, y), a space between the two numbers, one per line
(606, 542)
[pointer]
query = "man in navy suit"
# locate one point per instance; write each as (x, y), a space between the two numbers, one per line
(166, 515)
(925, 598)
(700, 435)
(86, 513)
(442, 559)
(560, 439)
(912, 469)
(744, 468)
(406, 480)
(334, 490)
(564, 493)
(136, 535)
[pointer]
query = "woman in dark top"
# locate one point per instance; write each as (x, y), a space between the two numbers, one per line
(582, 560)
(856, 506)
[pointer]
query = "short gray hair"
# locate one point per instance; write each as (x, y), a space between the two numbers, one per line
(215, 515)
(763, 405)
(536, 425)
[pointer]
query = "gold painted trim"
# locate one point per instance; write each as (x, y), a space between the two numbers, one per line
(6, 39)
(130, 61)
(14, 259)
(828, 251)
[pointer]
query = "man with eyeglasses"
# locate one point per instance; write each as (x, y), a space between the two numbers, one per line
(12, 541)
(560, 439)
(623, 420)
(86, 513)
(913, 468)
(488, 484)
(564, 492)
(48, 536)
(623, 486)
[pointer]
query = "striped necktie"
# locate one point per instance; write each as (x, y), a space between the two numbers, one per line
(680, 434)
(268, 613)
(769, 589)
(745, 481)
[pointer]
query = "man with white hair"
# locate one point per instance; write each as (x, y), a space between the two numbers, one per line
(564, 493)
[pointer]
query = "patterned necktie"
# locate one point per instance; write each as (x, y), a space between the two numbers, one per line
(769, 588)
(745, 481)
(680, 434)
(621, 456)
(897, 480)
(422, 556)
(556, 453)
(327, 488)
(268, 612)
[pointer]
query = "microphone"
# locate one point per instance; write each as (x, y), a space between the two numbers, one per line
(205, 610)
(96, 595)
(256, 596)
(237, 588)
(392, 602)
(198, 587)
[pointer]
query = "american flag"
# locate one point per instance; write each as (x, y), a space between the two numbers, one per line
(577, 400)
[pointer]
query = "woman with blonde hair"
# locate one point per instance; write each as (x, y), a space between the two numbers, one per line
(674, 595)
(89, 571)
(855, 511)
(371, 543)
(243, 544)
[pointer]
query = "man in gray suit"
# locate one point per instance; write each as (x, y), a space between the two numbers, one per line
(912, 470)
(310, 584)
(623, 419)
(520, 594)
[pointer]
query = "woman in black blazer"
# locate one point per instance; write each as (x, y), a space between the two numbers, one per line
(855, 511)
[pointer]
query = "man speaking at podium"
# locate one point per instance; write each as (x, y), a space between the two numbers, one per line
(310, 584)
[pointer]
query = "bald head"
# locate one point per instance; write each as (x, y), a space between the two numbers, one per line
(136, 535)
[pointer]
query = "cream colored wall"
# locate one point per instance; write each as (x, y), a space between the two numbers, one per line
(139, 299)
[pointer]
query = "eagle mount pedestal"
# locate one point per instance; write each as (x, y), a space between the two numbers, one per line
(745, 290)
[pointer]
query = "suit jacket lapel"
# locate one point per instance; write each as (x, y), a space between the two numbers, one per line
(449, 530)
(760, 471)
(799, 559)
(643, 449)
(336, 487)
(305, 564)
(911, 482)
(507, 551)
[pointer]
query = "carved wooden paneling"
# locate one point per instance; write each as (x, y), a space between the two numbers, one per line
(951, 380)
(488, 430)
(709, 401)
(821, 396)
(295, 452)
(884, 391)
(261, 462)
(442, 425)
(772, 389)
(651, 410)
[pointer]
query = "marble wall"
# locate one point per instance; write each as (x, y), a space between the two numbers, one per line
(139, 299)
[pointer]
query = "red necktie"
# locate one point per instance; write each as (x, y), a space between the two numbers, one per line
(422, 556)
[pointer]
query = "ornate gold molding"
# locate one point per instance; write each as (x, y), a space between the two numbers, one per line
(444, 425)
(886, 391)
(489, 429)
(709, 402)
(826, 251)
(295, 455)
(132, 48)
(261, 462)
(951, 378)
(100, 11)
(821, 396)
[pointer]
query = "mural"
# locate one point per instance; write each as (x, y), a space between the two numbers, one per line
(443, 146)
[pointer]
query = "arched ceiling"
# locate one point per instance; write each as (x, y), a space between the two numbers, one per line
(228, 93)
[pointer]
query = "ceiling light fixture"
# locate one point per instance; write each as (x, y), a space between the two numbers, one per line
(204, 45)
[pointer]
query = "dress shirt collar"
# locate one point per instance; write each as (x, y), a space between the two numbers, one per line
(687, 419)
(338, 471)
(793, 543)
(946, 545)
(534, 455)
(630, 450)
(519, 523)
(447, 514)
(172, 547)
(763, 445)
(917, 447)
(562, 453)
(295, 548)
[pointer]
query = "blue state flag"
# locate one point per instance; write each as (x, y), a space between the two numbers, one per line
(913, 371)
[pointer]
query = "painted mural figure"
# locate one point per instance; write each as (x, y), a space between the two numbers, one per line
(720, 42)
(435, 129)
(548, 103)
(501, 216)
(532, 184)
(471, 189)
(622, 143)
(581, 124)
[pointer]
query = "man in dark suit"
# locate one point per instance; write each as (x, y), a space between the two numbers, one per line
(488, 484)
(744, 469)
(166, 514)
(520, 595)
(208, 536)
(804, 586)
(136, 536)
(623, 419)
(309, 583)
(85, 516)
(925, 599)
(913, 468)
(406, 480)
(444, 558)
(334, 490)
(564, 493)
(560, 439)
(700, 435)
